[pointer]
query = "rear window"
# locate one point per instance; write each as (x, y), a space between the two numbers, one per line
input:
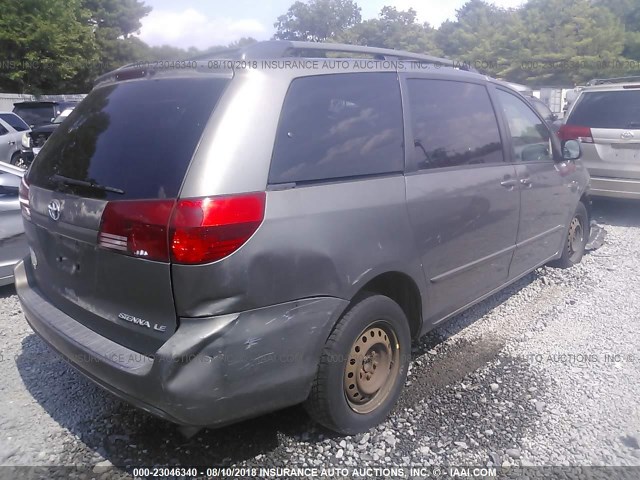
(15, 121)
(136, 136)
(36, 115)
(619, 110)
(339, 126)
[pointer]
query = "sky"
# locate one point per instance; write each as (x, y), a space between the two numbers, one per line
(204, 23)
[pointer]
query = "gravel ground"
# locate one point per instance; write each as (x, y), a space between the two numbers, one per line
(545, 373)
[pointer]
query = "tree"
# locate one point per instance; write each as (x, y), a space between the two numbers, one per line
(113, 23)
(393, 29)
(628, 11)
(566, 41)
(479, 35)
(317, 20)
(542, 43)
(45, 45)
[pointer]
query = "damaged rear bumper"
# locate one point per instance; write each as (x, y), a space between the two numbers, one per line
(212, 371)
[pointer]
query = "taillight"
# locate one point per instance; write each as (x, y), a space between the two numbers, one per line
(187, 231)
(23, 195)
(137, 227)
(208, 229)
(575, 132)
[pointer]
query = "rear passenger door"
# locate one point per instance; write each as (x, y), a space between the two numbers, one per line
(546, 196)
(336, 206)
(462, 196)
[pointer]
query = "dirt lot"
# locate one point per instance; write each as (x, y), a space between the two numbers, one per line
(544, 373)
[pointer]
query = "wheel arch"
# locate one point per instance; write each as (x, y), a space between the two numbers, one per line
(402, 289)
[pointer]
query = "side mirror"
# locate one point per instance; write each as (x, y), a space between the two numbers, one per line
(571, 150)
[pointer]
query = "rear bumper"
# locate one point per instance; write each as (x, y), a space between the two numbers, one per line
(212, 371)
(615, 188)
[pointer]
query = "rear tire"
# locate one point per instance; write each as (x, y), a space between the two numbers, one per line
(576, 239)
(363, 367)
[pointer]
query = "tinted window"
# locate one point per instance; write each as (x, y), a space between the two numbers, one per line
(135, 136)
(453, 124)
(620, 110)
(36, 115)
(3, 131)
(15, 121)
(336, 126)
(530, 136)
(541, 108)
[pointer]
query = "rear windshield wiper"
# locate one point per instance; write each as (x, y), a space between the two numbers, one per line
(85, 183)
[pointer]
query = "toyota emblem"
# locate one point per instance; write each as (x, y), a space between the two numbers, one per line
(627, 135)
(54, 209)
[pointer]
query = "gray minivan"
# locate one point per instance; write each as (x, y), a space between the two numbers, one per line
(242, 234)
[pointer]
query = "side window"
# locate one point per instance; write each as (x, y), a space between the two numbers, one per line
(3, 131)
(15, 121)
(530, 137)
(337, 126)
(453, 124)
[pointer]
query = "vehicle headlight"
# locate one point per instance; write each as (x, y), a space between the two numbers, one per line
(26, 140)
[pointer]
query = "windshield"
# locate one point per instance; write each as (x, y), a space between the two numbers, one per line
(136, 136)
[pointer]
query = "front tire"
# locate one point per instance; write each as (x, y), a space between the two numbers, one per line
(363, 367)
(18, 161)
(576, 239)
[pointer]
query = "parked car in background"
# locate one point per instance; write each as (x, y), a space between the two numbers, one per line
(12, 129)
(13, 244)
(38, 113)
(308, 224)
(605, 117)
(33, 141)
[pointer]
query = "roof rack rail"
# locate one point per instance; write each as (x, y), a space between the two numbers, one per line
(285, 48)
(604, 81)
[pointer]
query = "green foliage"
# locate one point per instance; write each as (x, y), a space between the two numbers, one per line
(45, 46)
(565, 42)
(317, 20)
(545, 42)
(393, 29)
(50, 46)
(113, 22)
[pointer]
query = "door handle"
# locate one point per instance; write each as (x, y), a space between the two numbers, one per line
(526, 182)
(510, 183)
(12, 143)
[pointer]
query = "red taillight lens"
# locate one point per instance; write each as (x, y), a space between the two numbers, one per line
(138, 227)
(23, 195)
(208, 229)
(188, 231)
(575, 132)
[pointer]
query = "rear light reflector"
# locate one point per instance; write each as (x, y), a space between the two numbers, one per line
(208, 229)
(187, 231)
(137, 227)
(23, 195)
(575, 132)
